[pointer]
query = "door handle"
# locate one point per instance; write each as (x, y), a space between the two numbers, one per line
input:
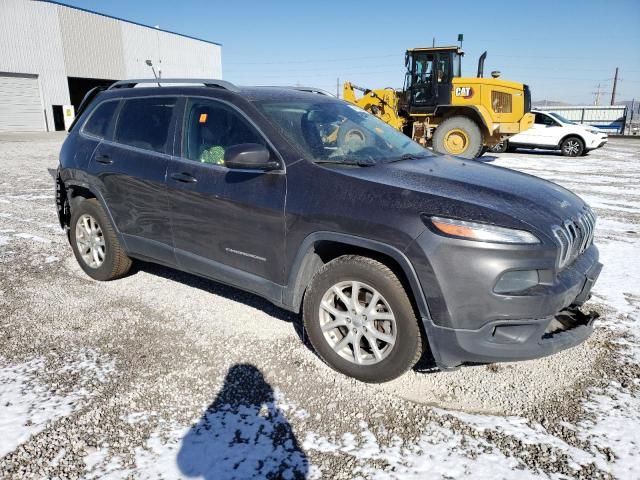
(104, 159)
(184, 177)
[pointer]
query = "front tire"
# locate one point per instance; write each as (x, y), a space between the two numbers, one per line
(459, 136)
(373, 336)
(572, 147)
(500, 147)
(95, 243)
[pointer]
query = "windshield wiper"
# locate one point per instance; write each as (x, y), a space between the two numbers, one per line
(358, 163)
(409, 156)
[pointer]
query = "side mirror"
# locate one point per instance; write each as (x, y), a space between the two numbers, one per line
(249, 156)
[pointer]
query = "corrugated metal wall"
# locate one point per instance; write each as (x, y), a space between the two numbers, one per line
(30, 43)
(55, 42)
(608, 117)
(92, 45)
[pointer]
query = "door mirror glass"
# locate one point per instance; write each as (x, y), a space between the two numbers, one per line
(250, 156)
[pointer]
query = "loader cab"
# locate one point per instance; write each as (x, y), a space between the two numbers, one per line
(429, 77)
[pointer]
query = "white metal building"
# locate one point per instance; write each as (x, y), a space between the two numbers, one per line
(51, 54)
(611, 118)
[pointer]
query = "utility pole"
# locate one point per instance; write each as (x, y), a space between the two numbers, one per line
(597, 94)
(613, 91)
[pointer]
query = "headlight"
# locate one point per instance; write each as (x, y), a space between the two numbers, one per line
(480, 231)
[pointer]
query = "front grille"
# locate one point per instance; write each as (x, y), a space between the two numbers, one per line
(501, 102)
(527, 99)
(574, 237)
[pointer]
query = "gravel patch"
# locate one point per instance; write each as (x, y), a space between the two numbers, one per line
(160, 373)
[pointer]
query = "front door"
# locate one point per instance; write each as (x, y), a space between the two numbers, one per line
(227, 224)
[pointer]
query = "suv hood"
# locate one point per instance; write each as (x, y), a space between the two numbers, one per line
(478, 186)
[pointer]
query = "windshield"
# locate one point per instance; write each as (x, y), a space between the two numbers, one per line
(561, 118)
(331, 131)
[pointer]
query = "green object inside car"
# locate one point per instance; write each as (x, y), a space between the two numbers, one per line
(213, 155)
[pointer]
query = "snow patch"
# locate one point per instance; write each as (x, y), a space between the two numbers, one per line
(27, 405)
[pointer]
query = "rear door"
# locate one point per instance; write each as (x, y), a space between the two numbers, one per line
(131, 169)
(227, 224)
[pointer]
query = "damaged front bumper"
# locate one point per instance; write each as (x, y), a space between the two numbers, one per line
(512, 341)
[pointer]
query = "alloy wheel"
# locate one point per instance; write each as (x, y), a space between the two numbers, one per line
(90, 241)
(357, 322)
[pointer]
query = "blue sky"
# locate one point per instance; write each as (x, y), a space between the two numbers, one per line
(563, 49)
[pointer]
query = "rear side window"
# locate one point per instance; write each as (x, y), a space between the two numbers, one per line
(100, 119)
(144, 123)
(211, 128)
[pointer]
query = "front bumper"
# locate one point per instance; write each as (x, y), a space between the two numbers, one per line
(469, 323)
(597, 142)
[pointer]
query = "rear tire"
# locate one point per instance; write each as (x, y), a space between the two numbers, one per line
(572, 147)
(459, 136)
(386, 333)
(500, 147)
(95, 243)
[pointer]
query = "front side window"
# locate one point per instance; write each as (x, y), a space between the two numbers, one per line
(144, 123)
(331, 131)
(211, 127)
(546, 120)
(100, 119)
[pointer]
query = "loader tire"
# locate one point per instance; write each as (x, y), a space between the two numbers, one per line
(459, 136)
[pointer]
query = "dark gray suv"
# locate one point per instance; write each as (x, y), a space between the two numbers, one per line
(320, 207)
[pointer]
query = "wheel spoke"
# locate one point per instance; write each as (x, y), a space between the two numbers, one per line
(371, 307)
(346, 300)
(357, 354)
(355, 295)
(342, 343)
(332, 310)
(338, 322)
(374, 346)
(382, 336)
(382, 316)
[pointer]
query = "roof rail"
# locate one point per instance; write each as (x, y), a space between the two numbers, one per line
(207, 82)
(305, 89)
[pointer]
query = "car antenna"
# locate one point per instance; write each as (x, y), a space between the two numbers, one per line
(150, 63)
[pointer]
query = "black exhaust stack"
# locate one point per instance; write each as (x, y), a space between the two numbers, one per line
(481, 65)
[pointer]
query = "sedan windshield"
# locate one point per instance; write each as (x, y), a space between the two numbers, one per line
(331, 131)
(561, 118)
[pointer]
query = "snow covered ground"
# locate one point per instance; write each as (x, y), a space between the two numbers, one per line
(165, 375)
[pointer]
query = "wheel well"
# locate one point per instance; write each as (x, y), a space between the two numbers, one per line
(324, 251)
(448, 112)
(574, 135)
(67, 197)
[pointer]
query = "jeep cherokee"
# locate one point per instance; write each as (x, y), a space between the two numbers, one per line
(322, 208)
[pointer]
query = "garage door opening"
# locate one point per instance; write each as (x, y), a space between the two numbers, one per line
(78, 88)
(20, 104)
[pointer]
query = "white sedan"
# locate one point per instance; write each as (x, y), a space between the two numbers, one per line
(551, 131)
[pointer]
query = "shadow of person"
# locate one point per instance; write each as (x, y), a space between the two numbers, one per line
(243, 434)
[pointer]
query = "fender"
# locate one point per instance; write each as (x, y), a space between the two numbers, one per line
(307, 262)
(73, 182)
(577, 135)
(477, 111)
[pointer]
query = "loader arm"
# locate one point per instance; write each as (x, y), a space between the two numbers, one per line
(383, 103)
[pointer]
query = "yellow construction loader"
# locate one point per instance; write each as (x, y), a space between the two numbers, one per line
(437, 107)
